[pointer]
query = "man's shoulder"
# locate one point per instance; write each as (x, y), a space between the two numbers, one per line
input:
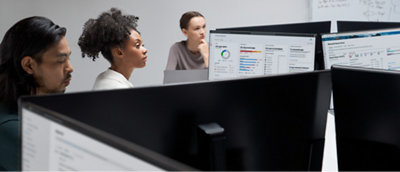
(7, 116)
(7, 119)
(9, 125)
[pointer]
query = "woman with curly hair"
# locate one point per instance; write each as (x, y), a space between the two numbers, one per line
(116, 37)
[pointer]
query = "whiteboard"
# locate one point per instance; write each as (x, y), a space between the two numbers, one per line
(359, 10)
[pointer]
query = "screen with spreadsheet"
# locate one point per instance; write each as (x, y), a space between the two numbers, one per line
(373, 49)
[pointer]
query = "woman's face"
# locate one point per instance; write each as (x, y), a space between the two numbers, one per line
(196, 30)
(134, 51)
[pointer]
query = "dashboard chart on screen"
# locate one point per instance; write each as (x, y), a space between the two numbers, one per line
(242, 54)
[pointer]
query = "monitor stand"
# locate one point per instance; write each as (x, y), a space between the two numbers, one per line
(211, 147)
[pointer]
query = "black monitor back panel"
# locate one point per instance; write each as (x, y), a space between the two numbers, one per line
(367, 118)
(348, 26)
(270, 123)
(308, 27)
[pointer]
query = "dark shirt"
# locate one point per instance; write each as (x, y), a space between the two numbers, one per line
(9, 140)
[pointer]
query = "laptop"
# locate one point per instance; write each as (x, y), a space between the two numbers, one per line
(177, 76)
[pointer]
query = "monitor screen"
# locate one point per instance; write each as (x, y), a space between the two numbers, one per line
(308, 27)
(373, 49)
(242, 54)
(52, 142)
(269, 123)
(347, 26)
(367, 118)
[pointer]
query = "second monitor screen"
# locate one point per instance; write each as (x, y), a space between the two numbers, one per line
(373, 49)
(240, 54)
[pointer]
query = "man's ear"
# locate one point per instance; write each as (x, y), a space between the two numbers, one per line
(184, 31)
(117, 52)
(27, 64)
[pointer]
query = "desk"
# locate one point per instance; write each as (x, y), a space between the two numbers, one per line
(329, 162)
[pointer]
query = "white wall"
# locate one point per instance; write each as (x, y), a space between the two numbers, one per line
(158, 24)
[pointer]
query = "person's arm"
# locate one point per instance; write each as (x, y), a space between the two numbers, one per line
(172, 62)
(203, 48)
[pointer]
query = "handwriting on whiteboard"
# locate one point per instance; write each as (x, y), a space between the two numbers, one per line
(372, 10)
(333, 3)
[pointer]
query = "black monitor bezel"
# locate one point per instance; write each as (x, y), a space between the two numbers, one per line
(364, 142)
(342, 24)
(243, 32)
(276, 27)
(130, 148)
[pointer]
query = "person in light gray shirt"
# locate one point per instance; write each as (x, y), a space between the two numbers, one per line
(193, 52)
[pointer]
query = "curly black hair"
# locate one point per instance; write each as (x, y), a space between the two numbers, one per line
(111, 28)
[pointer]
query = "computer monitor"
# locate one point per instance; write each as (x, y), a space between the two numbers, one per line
(348, 26)
(367, 118)
(307, 27)
(268, 123)
(373, 48)
(53, 142)
(242, 54)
